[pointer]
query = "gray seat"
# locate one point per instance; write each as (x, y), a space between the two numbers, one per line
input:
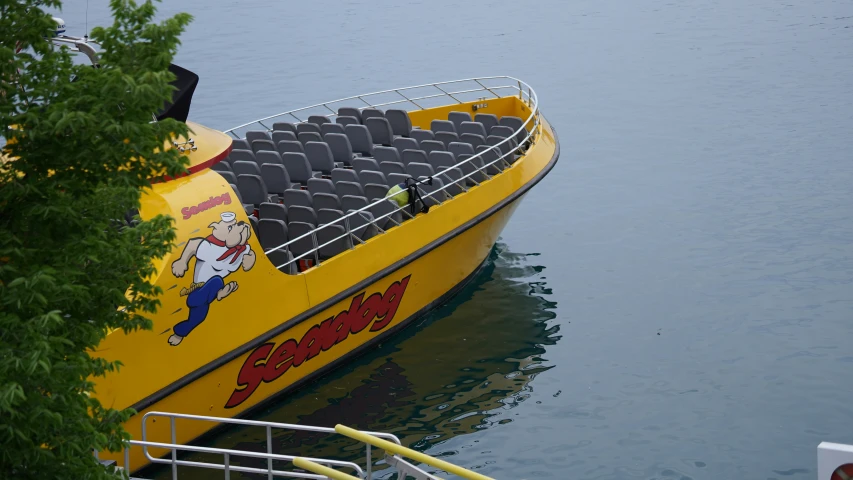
(360, 139)
(371, 113)
(442, 126)
(380, 130)
(328, 128)
(474, 140)
(298, 167)
(252, 189)
(506, 144)
(327, 215)
(320, 157)
(349, 188)
(361, 164)
(344, 175)
(421, 135)
(303, 245)
(475, 128)
(276, 178)
(333, 239)
(398, 178)
(306, 137)
(432, 194)
(460, 148)
(284, 127)
(259, 145)
(502, 131)
(222, 166)
(457, 118)
(350, 112)
(416, 170)
(290, 146)
(275, 211)
(352, 202)
(400, 122)
(307, 128)
(452, 178)
(256, 135)
(391, 167)
(490, 157)
(246, 168)
(441, 160)
(244, 155)
(249, 208)
(487, 119)
(265, 156)
(271, 234)
(385, 214)
(345, 120)
(326, 200)
(446, 138)
(229, 177)
(321, 185)
(362, 224)
(432, 146)
(386, 154)
(254, 222)
(372, 176)
(474, 167)
(298, 213)
(410, 156)
(341, 148)
(240, 144)
(375, 190)
(515, 124)
(318, 119)
(403, 143)
(296, 198)
(278, 137)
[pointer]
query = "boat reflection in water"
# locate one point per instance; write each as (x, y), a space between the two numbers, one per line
(444, 377)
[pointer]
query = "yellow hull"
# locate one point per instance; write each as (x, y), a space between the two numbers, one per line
(276, 330)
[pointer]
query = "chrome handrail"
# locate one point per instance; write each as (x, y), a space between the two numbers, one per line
(522, 89)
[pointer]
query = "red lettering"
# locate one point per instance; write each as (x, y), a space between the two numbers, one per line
(186, 212)
(226, 197)
(280, 361)
(204, 205)
(390, 303)
(328, 337)
(250, 376)
(366, 313)
(341, 326)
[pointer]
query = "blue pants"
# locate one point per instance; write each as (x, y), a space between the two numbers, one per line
(199, 302)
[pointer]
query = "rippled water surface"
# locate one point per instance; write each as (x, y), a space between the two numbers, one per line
(673, 301)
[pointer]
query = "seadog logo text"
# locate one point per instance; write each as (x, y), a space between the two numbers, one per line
(266, 363)
(224, 199)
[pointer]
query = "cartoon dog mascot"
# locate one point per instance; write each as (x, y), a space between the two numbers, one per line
(217, 255)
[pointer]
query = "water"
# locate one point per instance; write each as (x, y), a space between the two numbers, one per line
(687, 310)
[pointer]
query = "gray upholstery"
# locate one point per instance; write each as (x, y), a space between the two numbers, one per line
(282, 136)
(360, 139)
(457, 118)
(488, 120)
(398, 178)
(275, 211)
(276, 178)
(400, 122)
(344, 175)
(371, 113)
(349, 188)
(294, 197)
(489, 156)
(259, 145)
(304, 245)
(361, 224)
(326, 200)
(460, 148)
(254, 222)
(229, 177)
(391, 167)
(240, 144)
(475, 128)
(265, 156)
(416, 169)
(333, 239)
(306, 137)
(360, 164)
(380, 130)
(441, 160)
(350, 112)
(432, 146)
(446, 138)
(307, 127)
(410, 156)
(386, 154)
(506, 146)
(502, 131)
(437, 195)
(514, 123)
(452, 178)
(328, 128)
(328, 215)
(298, 213)
(245, 155)
(291, 146)
(403, 143)
(236, 190)
(298, 167)
(246, 168)
(374, 190)
(347, 121)
(472, 168)
(318, 119)
(256, 135)
(442, 126)
(474, 140)
(382, 209)
(421, 135)
(320, 185)
(341, 148)
(320, 157)
(372, 176)
(222, 166)
(351, 202)
(284, 127)
(252, 189)
(271, 234)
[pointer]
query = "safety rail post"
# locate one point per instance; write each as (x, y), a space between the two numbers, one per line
(269, 450)
(227, 464)
(369, 462)
(174, 437)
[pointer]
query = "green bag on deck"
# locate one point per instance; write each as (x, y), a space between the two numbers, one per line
(394, 194)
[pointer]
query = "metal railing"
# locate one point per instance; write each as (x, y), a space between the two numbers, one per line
(227, 466)
(505, 152)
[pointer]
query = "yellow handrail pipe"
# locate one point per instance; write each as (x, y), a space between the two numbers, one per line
(315, 467)
(408, 452)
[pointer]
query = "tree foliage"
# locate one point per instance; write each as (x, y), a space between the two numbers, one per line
(83, 147)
